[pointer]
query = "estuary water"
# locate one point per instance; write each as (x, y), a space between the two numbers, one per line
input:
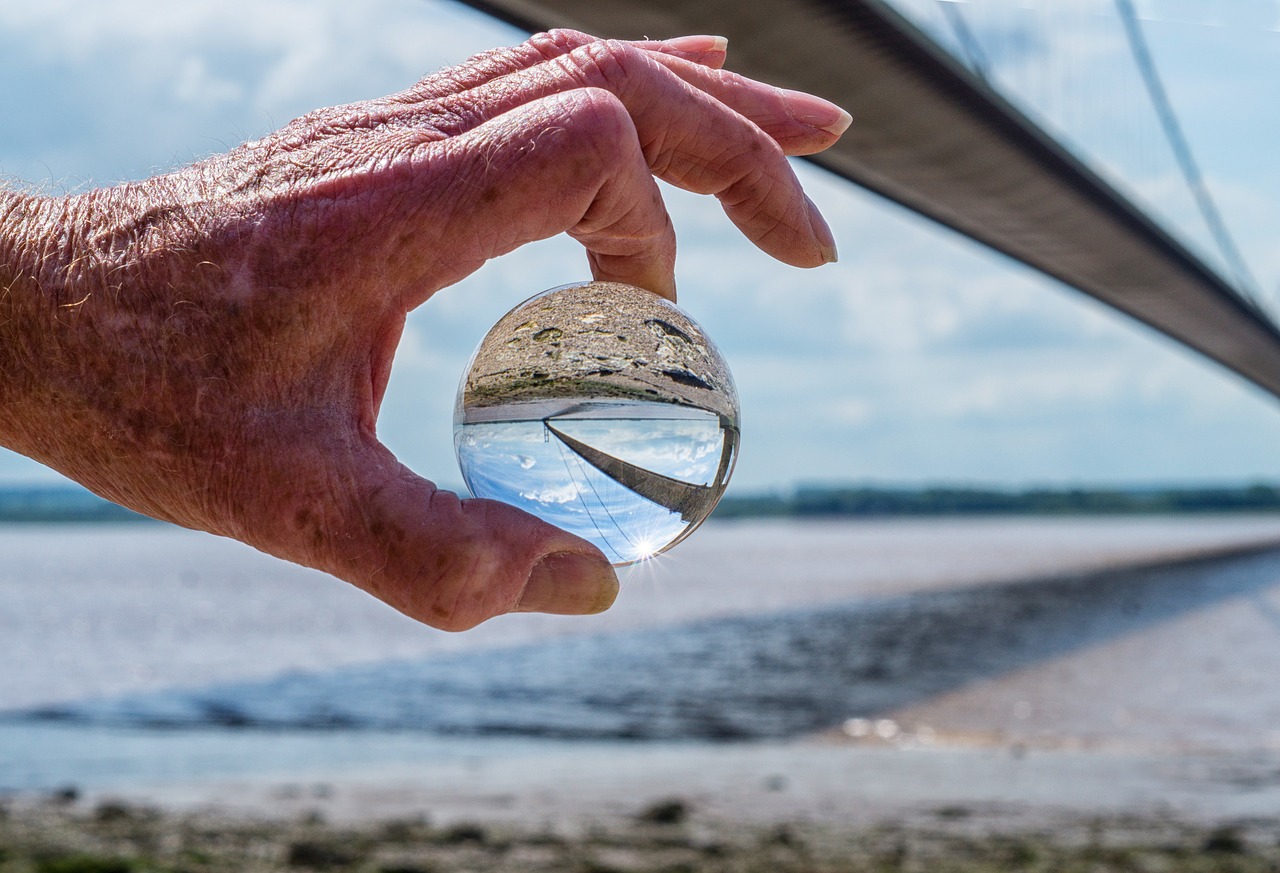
(143, 654)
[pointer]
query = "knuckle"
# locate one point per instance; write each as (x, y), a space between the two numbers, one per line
(601, 128)
(592, 122)
(611, 63)
(558, 41)
(602, 108)
(467, 579)
(456, 586)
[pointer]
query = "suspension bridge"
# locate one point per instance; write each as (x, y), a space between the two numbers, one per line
(935, 134)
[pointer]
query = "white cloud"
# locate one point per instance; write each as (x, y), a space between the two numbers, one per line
(554, 494)
(144, 84)
(195, 83)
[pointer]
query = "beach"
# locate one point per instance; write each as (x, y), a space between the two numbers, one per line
(119, 838)
(827, 691)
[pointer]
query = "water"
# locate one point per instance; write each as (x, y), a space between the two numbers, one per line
(771, 676)
(143, 654)
(541, 459)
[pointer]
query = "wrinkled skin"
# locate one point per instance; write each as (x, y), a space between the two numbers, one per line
(210, 347)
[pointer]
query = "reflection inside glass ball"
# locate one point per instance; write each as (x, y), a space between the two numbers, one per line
(604, 410)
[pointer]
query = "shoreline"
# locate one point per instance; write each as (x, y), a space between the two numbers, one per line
(580, 787)
(1050, 707)
(900, 767)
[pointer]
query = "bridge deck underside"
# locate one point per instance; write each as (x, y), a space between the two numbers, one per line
(934, 138)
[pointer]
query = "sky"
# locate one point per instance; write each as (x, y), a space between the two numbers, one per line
(918, 358)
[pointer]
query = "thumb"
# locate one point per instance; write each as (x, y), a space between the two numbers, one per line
(454, 563)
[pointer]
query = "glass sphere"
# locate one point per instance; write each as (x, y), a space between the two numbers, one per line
(603, 409)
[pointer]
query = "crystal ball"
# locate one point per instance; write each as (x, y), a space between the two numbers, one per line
(603, 409)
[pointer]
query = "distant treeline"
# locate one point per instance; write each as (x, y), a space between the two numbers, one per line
(871, 501)
(66, 503)
(60, 503)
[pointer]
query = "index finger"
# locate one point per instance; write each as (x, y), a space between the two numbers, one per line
(707, 51)
(689, 137)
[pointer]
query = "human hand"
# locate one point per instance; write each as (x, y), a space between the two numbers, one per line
(210, 347)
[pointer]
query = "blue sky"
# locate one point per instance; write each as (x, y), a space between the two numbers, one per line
(918, 358)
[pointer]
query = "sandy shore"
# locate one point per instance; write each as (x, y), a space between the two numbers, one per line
(69, 835)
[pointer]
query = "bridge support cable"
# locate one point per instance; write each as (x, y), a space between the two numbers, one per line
(1182, 149)
(969, 44)
(932, 136)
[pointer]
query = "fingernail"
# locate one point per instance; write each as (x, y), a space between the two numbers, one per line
(816, 112)
(566, 583)
(822, 233)
(698, 43)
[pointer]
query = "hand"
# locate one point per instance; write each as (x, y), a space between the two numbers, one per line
(210, 347)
